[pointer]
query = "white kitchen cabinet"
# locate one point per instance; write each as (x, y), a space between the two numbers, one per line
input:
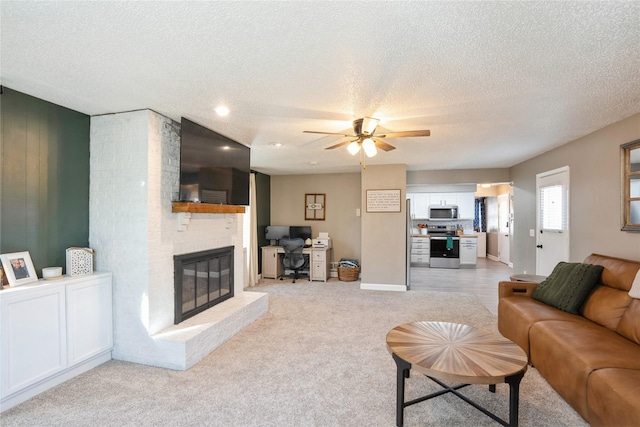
(443, 198)
(468, 252)
(466, 205)
(419, 205)
(420, 250)
(52, 331)
(482, 245)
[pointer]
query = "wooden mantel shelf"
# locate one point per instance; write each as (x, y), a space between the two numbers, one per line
(205, 208)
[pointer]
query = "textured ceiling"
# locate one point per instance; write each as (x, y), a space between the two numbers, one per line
(495, 82)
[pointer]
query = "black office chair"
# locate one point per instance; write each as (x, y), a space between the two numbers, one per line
(293, 258)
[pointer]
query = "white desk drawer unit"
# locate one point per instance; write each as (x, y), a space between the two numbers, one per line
(420, 247)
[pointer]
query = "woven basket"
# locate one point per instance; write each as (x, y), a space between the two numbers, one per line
(348, 274)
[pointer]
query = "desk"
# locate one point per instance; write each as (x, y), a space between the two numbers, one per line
(318, 259)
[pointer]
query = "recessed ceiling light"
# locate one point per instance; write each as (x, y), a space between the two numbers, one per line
(276, 144)
(313, 163)
(222, 110)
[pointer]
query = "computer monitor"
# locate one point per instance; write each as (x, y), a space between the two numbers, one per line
(276, 232)
(303, 232)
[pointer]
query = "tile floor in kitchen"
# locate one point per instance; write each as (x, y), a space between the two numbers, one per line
(482, 281)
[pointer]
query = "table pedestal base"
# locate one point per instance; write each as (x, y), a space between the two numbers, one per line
(403, 372)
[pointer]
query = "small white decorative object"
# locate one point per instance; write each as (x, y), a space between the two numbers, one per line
(79, 261)
(50, 273)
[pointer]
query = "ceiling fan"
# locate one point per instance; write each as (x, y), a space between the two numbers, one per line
(364, 130)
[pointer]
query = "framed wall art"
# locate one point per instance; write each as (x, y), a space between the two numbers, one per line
(383, 200)
(314, 207)
(18, 268)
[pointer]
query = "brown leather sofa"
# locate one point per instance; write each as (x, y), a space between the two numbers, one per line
(593, 359)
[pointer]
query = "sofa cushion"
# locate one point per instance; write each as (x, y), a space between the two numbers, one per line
(618, 273)
(565, 354)
(612, 397)
(606, 306)
(517, 313)
(568, 285)
(629, 326)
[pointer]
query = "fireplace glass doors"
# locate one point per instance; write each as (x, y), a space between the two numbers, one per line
(202, 280)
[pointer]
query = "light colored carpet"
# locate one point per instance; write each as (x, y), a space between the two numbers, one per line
(317, 358)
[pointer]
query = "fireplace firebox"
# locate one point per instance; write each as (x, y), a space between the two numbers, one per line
(202, 280)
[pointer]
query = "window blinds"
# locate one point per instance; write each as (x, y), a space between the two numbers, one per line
(553, 208)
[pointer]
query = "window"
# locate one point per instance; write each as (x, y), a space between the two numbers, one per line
(553, 212)
(630, 159)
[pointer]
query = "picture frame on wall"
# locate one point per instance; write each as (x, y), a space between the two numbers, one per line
(18, 268)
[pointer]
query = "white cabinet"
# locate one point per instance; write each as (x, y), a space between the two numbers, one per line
(89, 319)
(271, 265)
(320, 268)
(52, 331)
(34, 342)
(420, 247)
(468, 251)
(443, 198)
(466, 205)
(419, 205)
(482, 245)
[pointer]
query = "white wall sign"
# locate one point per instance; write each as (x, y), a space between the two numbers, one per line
(383, 200)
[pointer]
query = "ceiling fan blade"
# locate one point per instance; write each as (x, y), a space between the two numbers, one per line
(327, 133)
(342, 144)
(406, 134)
(383, 145)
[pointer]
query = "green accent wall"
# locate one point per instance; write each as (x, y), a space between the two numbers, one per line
(263, 211)
(44, 167)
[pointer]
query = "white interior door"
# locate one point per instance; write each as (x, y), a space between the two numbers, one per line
(552, 223)
(504, 226)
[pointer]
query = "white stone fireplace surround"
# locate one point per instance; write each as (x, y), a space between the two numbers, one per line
(134, 177)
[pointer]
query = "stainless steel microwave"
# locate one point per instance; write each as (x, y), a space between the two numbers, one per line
(443, 212)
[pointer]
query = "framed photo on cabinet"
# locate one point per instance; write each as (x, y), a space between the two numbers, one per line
(18, 268)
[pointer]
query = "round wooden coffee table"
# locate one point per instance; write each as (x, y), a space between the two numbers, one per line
(456, 353)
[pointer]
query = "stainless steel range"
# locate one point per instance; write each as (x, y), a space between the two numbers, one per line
(444, 246)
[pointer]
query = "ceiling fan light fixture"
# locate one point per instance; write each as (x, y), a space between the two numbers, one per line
(369, 125)
(369, 147)
(353, 148)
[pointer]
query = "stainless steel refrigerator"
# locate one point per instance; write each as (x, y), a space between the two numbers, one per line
(408, 244)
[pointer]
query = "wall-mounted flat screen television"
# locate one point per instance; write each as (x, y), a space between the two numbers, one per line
(213, 168)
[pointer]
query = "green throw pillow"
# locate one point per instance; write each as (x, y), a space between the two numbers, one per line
(568, 285)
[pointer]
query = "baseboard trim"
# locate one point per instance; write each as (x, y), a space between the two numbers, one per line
(493, 257)
(382, 287)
